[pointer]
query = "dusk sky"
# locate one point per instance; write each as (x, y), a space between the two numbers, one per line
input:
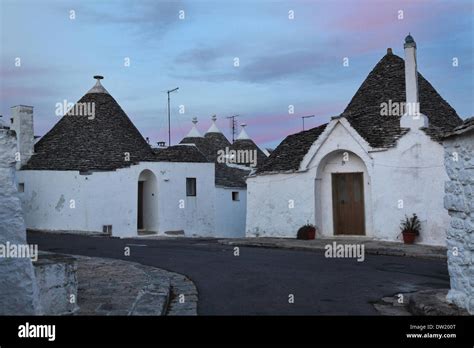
(283, 61)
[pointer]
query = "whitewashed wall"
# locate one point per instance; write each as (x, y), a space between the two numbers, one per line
(412, 172)
(19, 293)
(421, 189)
(459, 201)
(278, 204)
(110, 198)
(230, 215)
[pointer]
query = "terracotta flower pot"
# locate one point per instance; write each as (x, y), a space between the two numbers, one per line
(306, 232)
(408, 237)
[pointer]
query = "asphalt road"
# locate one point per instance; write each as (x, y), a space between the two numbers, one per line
(259, 281)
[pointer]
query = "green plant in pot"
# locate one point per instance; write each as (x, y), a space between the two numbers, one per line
(411, 227)
(307, 231)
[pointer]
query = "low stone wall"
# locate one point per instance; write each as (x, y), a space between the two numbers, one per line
(459, 201)
(57, 282)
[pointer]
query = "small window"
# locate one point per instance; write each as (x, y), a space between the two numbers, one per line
(107, 229)
(190, 186)
(235, 196)
(21, 187)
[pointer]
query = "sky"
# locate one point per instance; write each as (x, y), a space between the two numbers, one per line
(251, 58)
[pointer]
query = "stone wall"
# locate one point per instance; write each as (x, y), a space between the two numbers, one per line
(19, 293)
(57, 282)
(459, 201)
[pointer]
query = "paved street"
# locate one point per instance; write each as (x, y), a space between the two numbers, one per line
(260, 280)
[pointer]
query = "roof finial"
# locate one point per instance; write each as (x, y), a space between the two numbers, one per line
(243, 134)
(213, 128)
(98, 88)
(194, 133)
(409, 40)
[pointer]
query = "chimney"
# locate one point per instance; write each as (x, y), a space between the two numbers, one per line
(412, 117)
(411, 72)
(22, 124)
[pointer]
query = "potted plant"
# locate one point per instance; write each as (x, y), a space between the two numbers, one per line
(306, 232)
(410, 228)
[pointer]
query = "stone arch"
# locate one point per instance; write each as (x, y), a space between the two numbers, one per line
(337, 162)
(147, 202)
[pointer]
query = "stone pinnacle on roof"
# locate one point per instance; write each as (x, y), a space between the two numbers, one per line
(243, 134)
(98, 88)
(409, 41)
(194, 133)
(213, 128)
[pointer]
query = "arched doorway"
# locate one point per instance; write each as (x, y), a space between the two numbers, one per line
(147, 202)
(342, 195)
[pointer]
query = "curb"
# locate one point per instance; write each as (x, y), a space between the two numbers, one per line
(183, 296)
(159, 292)
(153, 299)
(433, 302)
(368, 249)
(430, 302)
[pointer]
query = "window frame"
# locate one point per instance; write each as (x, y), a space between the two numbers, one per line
(235, 194)
(193, 192)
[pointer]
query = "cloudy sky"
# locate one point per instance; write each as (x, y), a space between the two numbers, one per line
(282, 61)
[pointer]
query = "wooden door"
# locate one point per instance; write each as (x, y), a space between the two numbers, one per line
(348, 203)
(140, 206)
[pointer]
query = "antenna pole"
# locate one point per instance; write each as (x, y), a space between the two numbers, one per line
(169, 114)
(232, 118)
(303, 117)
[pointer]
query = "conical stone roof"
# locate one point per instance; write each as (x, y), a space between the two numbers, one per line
(99, 142)
(385, 84)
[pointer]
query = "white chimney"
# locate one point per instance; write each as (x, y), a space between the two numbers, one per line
(412, 118)
(22, 124)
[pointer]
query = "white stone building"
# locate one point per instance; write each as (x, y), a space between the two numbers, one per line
(366, 169)
(94, 172)
(459, 201)
(230, 173)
